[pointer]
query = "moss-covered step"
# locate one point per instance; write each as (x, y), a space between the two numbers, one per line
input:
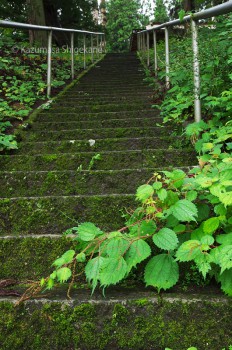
(46, 115)
(124, 320)
(30, 258)
(81, 134)
(65, 183)
(53, 215)
(72, 102)
(116, 144)
(92, 124)
(113, 160)
(82, 94)
(100, 108)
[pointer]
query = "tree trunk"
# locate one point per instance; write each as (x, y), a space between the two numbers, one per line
(189, 5)
(36, 16)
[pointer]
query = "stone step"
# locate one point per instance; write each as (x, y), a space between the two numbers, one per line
(48, 115)
(112, 107)
(72, 102)
(110, 160)
(66, 183)
(81, 134)
(126, 319)
(54, 214)
(106, 144)
(97, 124)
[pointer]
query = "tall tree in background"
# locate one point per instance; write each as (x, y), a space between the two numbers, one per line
(77, 14)
(122, 17)
(160, 14)
(36, 15)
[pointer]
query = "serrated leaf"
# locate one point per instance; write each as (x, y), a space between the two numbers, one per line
(157, 185)
(225, 259)
(81, 257)
(88, 231)
(207, 239)
(189, 250)
(63, 274)
(114, 234)
(191, 195)
(198, 234)
(220, 209)
(112, 271)
(147, 227)
(53, 275)
(117, 247)
(138, 251)
(166, 239)
(184, 210)
(162, 194)
(226, 282)
(178, 177)
(42, 282)
(224, 238)
(66, 258)
(226, 198)
(162, 272)
(211, 225)
(50, 284)
(92, 271)
(144, 192)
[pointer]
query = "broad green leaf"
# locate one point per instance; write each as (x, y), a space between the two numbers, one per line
(211, 225)
(224, 238)
(215, 254)
(166, 239)
(207, 239)
(171, 221)
(144, 192)
(157, 185)
(147, 227)
(178, 177)
(117, 247)
(226, 282)
(81, 257)
(112, 271)
(225, 259)
(203, 264)
(53, 275)
(184, 210)
(162, 272)
(189, 250)
(198, 234)
(226, 198)
(191, 195)
(92, 270)
(220, 209)
(66, 258)
(162, 194)
(138, 251)
(114, 234)
(88, 231)
(63, 274)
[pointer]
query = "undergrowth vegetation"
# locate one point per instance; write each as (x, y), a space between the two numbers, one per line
(23, 80)
(181, 216)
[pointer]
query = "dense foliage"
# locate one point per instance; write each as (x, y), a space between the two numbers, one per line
(122, 18)
(23, 81)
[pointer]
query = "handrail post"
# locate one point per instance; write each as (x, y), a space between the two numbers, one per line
(196, 72)
(167, 57)
(155, 51)
(84, 37)
(92, 53)
(148, 49)
(101, 44)
(72, 55)
(49, 63)
(97, 45)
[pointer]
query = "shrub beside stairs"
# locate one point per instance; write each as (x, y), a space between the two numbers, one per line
(82, 160)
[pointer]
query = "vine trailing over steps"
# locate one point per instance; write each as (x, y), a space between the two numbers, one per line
(181, 217)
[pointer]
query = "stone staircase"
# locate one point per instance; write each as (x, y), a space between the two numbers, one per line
(81, 160)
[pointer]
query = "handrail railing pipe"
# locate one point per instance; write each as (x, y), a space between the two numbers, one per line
(50, 30)
(193, 18)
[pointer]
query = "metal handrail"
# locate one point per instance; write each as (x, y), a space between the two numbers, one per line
(143, 43)
(50, 30)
